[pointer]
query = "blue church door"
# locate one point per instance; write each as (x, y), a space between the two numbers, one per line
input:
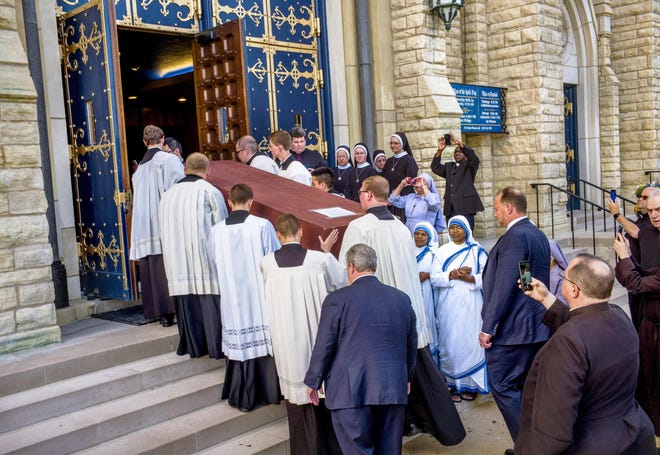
(571, 144)
(283, 84)
(97, 155)
(258, 70)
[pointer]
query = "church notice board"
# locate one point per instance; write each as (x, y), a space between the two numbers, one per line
(274, 195)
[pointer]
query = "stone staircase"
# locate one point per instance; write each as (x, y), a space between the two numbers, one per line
(110, 388)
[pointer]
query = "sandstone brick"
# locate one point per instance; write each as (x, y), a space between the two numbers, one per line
(398, 24)
(11, 49)
(512, 38)
(13, 179)
(33, 256)
(30, 339)
(23, 155)
(18, 112)
(8, 300)
(36, 294)
(20, 230)
(7, 18)
(27, 202)
(7, 323)
(4, 205)
(35, 317)
(415, 20)
(6, 260)
(24, 133)
(26, 276)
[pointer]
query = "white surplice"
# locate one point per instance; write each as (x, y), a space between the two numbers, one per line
(397, 266)
(297, 172)
(294, 296)
(150, 181)
(187, 213)
(265, 163)
(237, 251)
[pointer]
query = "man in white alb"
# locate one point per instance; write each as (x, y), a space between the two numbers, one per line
(238, 244)
(155, 174)
(187, 213)
(247, 150)
(279, 144)
(296, 282)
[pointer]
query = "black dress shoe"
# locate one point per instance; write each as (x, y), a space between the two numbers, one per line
(508, 452)
(167, 320)
(411, 430)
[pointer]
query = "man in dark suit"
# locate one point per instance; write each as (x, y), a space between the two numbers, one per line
(512, 331)
(461, 197)
(579, 395)
(365, 352)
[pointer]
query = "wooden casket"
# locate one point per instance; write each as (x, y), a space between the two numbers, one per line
(274, 195)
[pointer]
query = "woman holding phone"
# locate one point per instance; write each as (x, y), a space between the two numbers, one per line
(423, 204)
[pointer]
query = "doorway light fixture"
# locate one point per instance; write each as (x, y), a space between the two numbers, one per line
(182, 100)
(446, 10)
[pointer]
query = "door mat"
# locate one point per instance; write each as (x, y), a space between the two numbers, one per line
(132, 315)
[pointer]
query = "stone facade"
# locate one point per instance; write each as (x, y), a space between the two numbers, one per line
(504, 45)
(521, 45)
(635, 47)
(27, 312)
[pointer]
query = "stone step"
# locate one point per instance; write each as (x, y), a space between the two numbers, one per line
(69, 395)
(197, 431)
(103, 422)
(272, 439)
(97, 345)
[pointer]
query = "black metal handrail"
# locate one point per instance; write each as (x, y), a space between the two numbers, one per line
(650, 174)
(606, 192)
(571, 197)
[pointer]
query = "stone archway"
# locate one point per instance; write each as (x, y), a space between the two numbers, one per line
(581, 67)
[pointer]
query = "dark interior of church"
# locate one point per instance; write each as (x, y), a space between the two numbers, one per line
(157, 88)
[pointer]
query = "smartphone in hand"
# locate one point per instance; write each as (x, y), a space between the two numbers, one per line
(447, 139)
(613, 195)
(525, 275)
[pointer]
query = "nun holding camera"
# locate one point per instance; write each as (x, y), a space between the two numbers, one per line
(423, 204)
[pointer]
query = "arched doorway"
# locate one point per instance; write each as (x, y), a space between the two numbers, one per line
(128, 64)
(581, 88)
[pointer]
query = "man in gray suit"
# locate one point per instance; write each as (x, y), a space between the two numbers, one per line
(365, 352)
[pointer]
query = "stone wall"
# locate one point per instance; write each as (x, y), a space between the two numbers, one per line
(425, 103)
(27, 312)
(635, 48)
(514, 45)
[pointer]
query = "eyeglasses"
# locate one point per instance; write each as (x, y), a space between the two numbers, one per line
(239, 151)
(363, 191)
(563, 277)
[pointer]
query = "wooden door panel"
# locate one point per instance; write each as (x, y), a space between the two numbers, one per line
(220, 90)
